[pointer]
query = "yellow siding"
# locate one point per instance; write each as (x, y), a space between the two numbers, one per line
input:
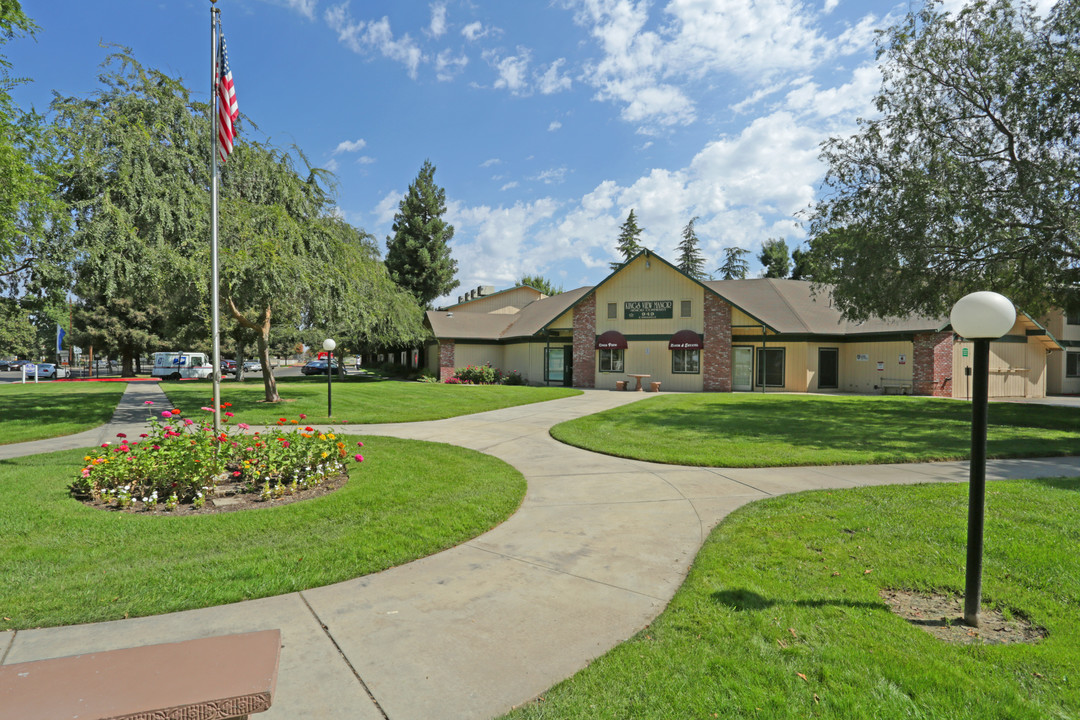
(740, 321)
(477, 355)
(796, 375)
(507, 301)
(658, 281)
(861, 376)
(1016, 369)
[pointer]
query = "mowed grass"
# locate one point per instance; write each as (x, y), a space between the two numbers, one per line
(64, 563)
(780, 615)
(358, 400)
(743, 430)
(51, 409)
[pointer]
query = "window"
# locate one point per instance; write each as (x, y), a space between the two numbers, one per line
(612, 311)
(1072, 364)
(611, 360)
(770, 367)
(684, 308)
(686, 361)
(1072, 317)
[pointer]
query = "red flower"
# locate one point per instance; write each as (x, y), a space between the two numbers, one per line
(310, 429)
(236, 473)
(175, 412)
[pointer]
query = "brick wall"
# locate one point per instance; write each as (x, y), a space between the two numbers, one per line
(932, 364)
(446, 360)
(716, 355)
(585, 343)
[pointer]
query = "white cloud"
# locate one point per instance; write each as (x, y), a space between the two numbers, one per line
(447, 67)
(500, 250)
(388, 207)
(365, 160)
(554, 176)
(350, 146)
(847, 102)
(554, 125)
(364, 37)
(510, 185)
(438, 19)
(490, 161)
(830, 5)
(513, 70)
(331, 165)
(304, 7)
(551, 81)
(475, 31)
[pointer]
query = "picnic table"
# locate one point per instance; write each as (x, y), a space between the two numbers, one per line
(638, 378)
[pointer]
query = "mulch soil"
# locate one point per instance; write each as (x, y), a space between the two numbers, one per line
(943, 617)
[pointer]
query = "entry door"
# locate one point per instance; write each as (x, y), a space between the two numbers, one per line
(568, 365)
(828, 364)
(742, 369)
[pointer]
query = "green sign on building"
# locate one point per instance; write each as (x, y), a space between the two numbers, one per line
(648, 309)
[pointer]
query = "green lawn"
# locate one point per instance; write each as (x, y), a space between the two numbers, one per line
(63, 563)
(726, 430)
(51, 409)
(358, 400)
(781, 588)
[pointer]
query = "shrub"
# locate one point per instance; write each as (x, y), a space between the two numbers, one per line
(479, 375)
(183, 461)
(513, 378)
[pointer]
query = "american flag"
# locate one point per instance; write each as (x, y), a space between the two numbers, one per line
(227, 108)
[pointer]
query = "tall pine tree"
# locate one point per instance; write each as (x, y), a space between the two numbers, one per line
(735, 266)
(690, 260)
(628, 243)
(775, 257)
(418, 254)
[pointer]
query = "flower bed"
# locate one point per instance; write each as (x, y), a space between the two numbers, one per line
(183, 461)
(484, 375)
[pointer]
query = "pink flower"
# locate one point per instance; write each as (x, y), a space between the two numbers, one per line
(167, 428)
(86, 472)
(243, 426)
(144, 435)
(121, 435)
(359, 444)
(188, 421)
(249, 449)
(228, 414)
(359, 457)
(157, 447)
(206, 409)
(236, 473)
(284, 443)
(148, 402)
(303, 416)
(166, 414)
(106, 444)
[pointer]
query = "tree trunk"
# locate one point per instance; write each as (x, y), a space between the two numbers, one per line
(239, 377)
(128, 364)
(269, 384)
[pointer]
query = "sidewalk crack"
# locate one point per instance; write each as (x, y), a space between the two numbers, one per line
(325, 629)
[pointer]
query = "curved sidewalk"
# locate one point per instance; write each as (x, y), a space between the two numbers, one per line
(597, 549)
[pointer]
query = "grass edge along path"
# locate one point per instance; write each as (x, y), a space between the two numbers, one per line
(359, 401)
(65, 563)
(55, 409)
(783, 430)
(780, 617)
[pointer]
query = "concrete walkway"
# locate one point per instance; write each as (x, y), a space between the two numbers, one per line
(596, 551)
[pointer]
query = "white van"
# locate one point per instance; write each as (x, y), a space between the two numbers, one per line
(176, 365)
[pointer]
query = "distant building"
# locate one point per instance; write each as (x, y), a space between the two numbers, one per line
(648, 318)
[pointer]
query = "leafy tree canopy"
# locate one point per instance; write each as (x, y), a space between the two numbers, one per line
(735, 266)
(803, 268)
(775, 258)
(968, 179)
(691, 261)
(628, 243)
(418, 254)
(541, 283)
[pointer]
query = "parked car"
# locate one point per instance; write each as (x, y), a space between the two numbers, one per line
(317, 367)
(228, 367)
(50, 371)
(252, 366)
(6, 364)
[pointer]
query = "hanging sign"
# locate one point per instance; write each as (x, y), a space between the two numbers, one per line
(648, 309)
(903, 359)
(880, 366)
(963, 352)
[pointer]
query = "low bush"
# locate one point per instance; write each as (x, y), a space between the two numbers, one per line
(479, 375)
(183, 461)
(513, 378)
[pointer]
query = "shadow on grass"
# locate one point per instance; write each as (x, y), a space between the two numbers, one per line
(1061, 483)
(742, 600)
(896, 426)
(83, 408)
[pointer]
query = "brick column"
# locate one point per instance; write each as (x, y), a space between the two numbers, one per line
(585, 343)
(932, 364)
(446, 360)
(716, 354)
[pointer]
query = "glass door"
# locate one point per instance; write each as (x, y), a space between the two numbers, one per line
(742, 368)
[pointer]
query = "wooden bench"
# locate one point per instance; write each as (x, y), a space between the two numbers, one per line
(226, 677)
(902, 387)
(654, 386)
(620, 384)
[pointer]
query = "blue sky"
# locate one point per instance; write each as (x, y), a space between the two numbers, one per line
(547, 121)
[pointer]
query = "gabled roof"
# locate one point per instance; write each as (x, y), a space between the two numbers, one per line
(463, 325)
(791, 307)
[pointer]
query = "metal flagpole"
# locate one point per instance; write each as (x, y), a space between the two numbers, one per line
(214, 304)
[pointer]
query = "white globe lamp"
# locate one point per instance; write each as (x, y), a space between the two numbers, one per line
(983, 315)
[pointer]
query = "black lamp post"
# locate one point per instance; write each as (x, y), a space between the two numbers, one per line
(328, 345)
(981, 317)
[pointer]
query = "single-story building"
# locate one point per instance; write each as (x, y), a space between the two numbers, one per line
(648, 318)
(1063, 368)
